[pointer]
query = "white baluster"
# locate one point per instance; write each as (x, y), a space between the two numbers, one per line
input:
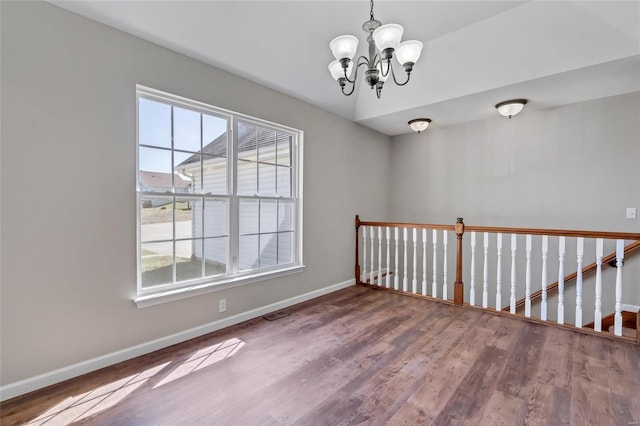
(499, 273)
(405, 279)
(388, 280)
(561, 253)
(379, 281)
(424, 262)
(512, 299)
(580, 254)
(485, 273)
(414, 283)
(445, 293)
(372, 271)
(527, 281)
(396, 271)
(617, 325)
(472, 292)
(364, 254)
(434, 284)
(543, 280)
(597, 316)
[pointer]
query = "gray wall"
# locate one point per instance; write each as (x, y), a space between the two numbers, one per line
(68, 188)
(570, 167)
(573, 167)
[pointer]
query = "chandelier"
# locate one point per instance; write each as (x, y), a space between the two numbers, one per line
(383, 41)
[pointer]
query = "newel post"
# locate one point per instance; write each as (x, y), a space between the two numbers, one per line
(357, 269)
(458, 287)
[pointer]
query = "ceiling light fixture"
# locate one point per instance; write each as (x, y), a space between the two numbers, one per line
(383, 41)
(511, 108)
(419, 124)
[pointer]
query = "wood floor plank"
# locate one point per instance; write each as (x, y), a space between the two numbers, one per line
(556, 358)
(521, 362)
(358, 356)
(503, 410)
(480, 381)
(590, 404)
(548, 405)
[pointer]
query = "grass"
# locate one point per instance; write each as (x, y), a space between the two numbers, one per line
(164, 213)
(159, 269)
(156, 262)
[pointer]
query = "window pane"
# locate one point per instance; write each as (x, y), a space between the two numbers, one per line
(285, 247)
(247, 147)
(196, 209)
(215, 175)
(214, 135)
(215, 218)
(156, 262)
(156, 218)
(154, 170)
(285, 215)
(154, 123)
(268, 250)
(186, 172)
(215, 251)
(284, 181)
(268, 216)
(248, 212)
(284, 149)
(248, 252)
(266, 146)
(188, 223)
(186, 129)
(188, 261)
(247, 178)
(267, 182)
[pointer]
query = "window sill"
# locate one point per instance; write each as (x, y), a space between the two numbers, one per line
(196, 290)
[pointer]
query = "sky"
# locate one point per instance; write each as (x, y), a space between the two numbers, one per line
(154, 121)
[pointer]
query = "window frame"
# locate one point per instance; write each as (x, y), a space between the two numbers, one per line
(160, 293)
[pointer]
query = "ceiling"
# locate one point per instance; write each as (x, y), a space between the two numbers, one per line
(476, 53)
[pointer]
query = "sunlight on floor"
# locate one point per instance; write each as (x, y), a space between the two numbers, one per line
(103, 397)
(89, 403)
(203, 358)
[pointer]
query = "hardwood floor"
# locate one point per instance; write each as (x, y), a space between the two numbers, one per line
(359, 356)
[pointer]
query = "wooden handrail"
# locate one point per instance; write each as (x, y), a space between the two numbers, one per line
(555, 232)
(505, 230)
(409, 225)
(587, 269)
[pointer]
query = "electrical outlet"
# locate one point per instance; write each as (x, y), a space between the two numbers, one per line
(222, 305)
(631, 212)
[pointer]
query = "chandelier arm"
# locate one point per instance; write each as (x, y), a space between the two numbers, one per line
(353, 88)
(393, 74)
(361, 61)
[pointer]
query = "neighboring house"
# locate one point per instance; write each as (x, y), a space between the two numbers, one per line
(161, 182)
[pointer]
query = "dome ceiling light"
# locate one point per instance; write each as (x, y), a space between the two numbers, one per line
(511, 108)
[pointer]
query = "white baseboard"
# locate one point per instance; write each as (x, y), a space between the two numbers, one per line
(33, 383)
(630, 308)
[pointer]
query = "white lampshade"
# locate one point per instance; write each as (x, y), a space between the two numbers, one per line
(335, 68)
(408, 51)
(511, 108)
(388, 36)
(385, 67)
(344, 46)
(419, 124)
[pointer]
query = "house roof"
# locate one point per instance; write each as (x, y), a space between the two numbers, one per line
(158, 179)
(218, 146)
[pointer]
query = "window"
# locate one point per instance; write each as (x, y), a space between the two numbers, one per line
(218, 196)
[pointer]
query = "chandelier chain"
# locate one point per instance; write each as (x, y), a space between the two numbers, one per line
(371, 13)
